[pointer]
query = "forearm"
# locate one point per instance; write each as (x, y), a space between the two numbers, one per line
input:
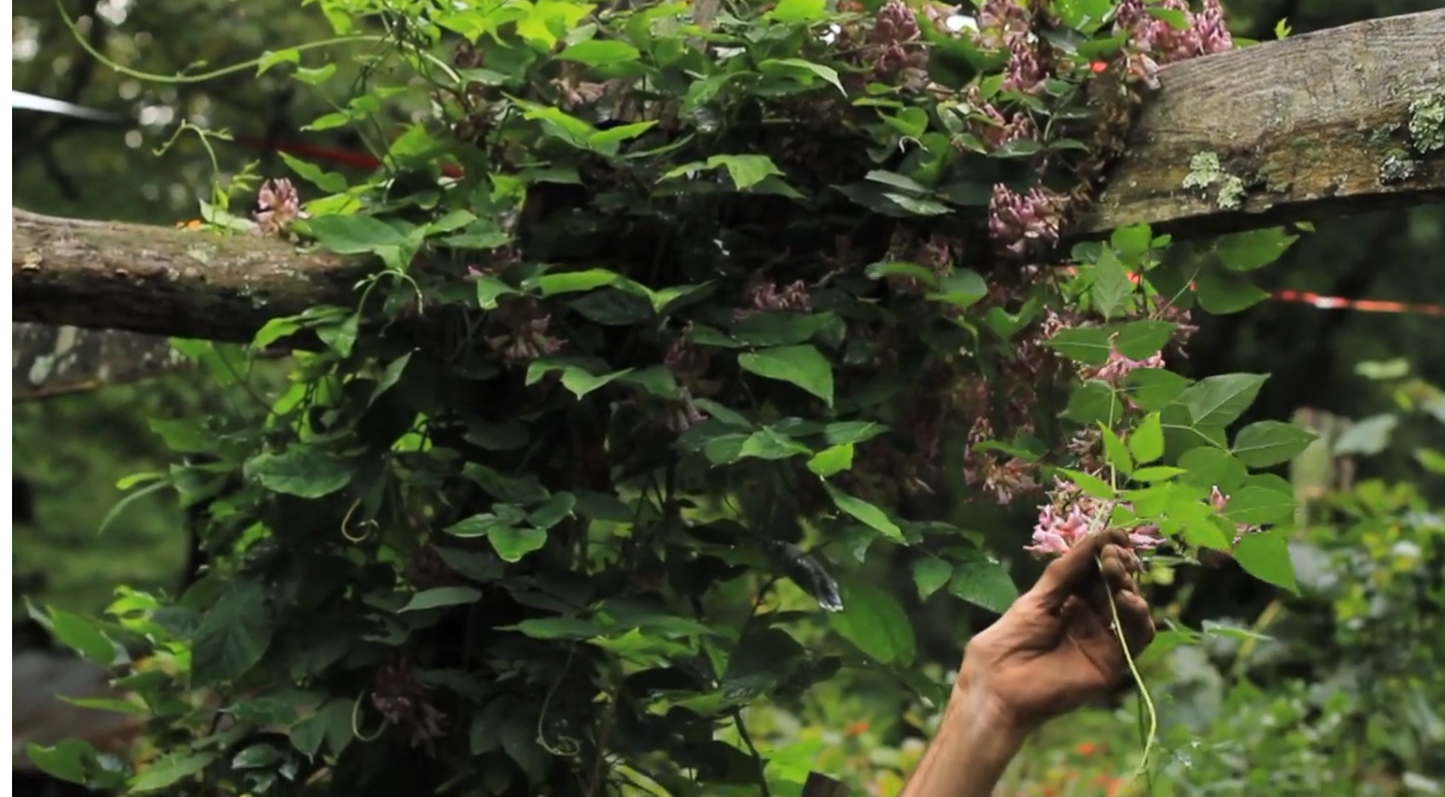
(969, 754)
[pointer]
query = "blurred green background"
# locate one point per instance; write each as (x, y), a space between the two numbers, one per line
(1337, 691)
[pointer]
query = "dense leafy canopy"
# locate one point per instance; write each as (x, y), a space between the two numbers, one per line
(669, 316)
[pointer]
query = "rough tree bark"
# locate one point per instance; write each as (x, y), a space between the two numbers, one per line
(1329, 123)
(1325, 124)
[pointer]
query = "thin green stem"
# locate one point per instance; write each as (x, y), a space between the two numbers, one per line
(1144, 697)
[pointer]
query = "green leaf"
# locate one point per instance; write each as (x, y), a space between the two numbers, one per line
(1131, 242)
(896, 180)
(770, 444)
(608, 141)
(523, 489)
(71, 760)
(513, 543)
(1266, 443)
(886, 269)
(599, 52)
(984, 582)
(804, 72)
(1091, 485)
(330, 182)
(490, 289)
(1094, 402)
(552, 511)
(746, 171)
(339, 334)
(441, 596)
(869, 514)
(233, 635)
(1153, 389)
(305, 471)
(1247, 251)
(831, 460)
(573, 281)
(84, 636)
(581, 383)
(307, 735)
(794, 12)
(481, 524)
(929, 574)
(911, 121)
(453, 220)
(355, 235)
(557, 628)
(1222, 293)
(614, 307)
(1146, 442)
(918, 206)
(1116, 455)
(961, 288)
(1210, 467)
(803, 366)
(852, 431)
(1265, 555)
(1111, 290)
(274, 330)
(777, 328)
(170, 769)
(1140, 340)
(1218, 401)
(1087, 345)
(273, 58)
(1156, 474)
(475, 565)
(876, 624)
(1256, 506)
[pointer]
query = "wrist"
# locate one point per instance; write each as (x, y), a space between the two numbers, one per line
(974, 701)
(971, 751)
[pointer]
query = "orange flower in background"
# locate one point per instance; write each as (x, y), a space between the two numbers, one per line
(856, 729)
(193, 224)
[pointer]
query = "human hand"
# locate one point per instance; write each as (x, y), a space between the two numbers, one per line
(1056, 648)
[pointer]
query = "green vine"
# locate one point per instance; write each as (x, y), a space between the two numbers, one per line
(670, 318)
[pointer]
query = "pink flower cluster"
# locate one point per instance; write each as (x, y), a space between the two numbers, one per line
(278, 204)
(1071, 516)
(1023, 73)
(997, 130)
(1118, 367)
(1002, 477)
(1205, 33)
(1000, 22)
(402, 699)
(524, 331)
(767, 296)
(894, 37)
(1019, 219)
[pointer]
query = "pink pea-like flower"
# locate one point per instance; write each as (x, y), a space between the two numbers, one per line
(278, 204)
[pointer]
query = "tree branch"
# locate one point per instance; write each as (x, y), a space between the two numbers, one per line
(1313, 126)
(1317, 124)
(158, 281)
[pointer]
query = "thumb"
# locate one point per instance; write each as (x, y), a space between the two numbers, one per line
(1064, 576)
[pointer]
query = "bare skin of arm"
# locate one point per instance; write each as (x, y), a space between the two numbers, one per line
(1053, 650)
